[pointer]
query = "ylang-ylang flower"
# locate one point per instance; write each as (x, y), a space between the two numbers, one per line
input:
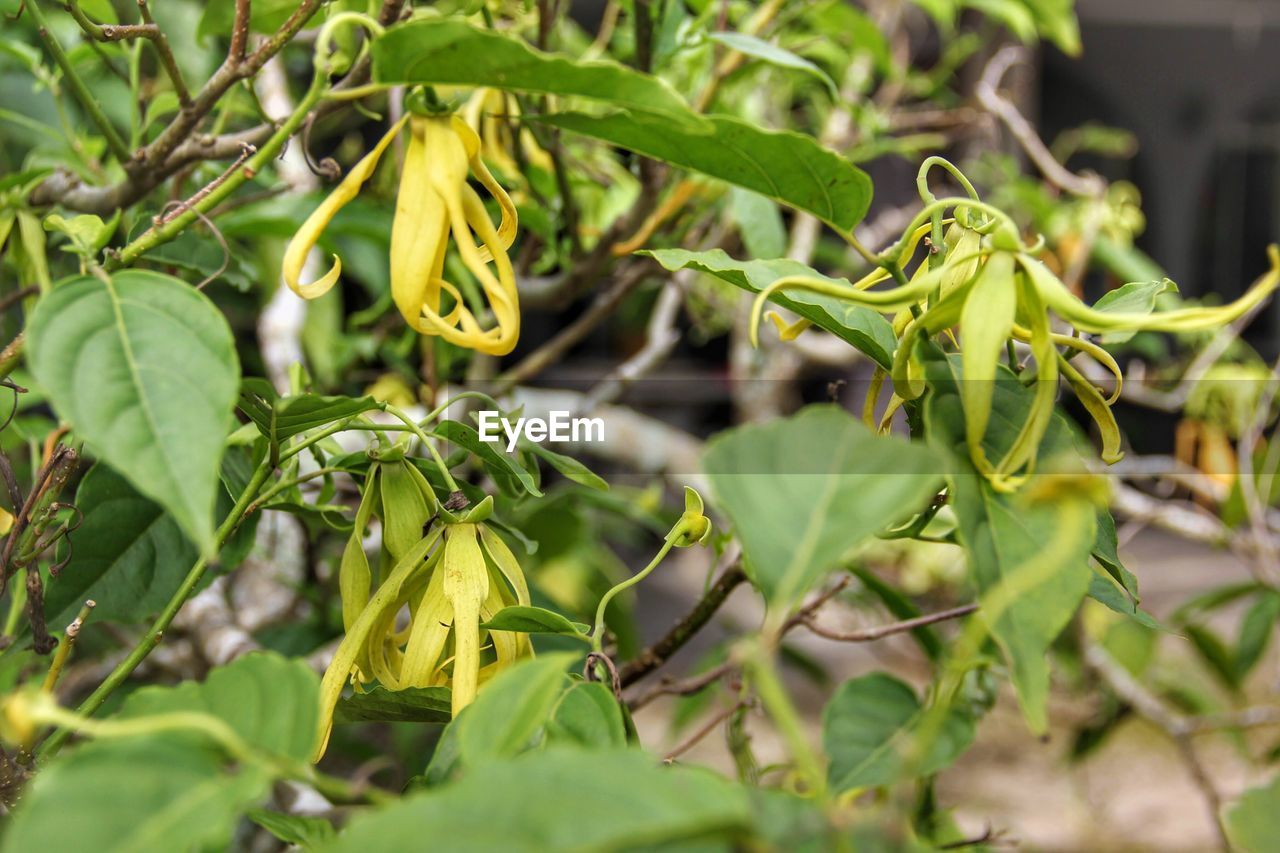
(434, 201)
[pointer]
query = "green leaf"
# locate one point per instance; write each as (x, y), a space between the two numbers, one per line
(568, 467)
(559, 799)
(309, 833)
(759, 222)
(863, 328)
(511, 709)
(533, 620)
(803, 491)
(588, 715)
(280, 418)
(787, 167)
(1255, 631)
(1253, 823)
(452, 52)
(467, 438)
(139, 794)
(271, 702)
(869, 731)
(1005, 536)
(410, 705)
(1136, 297)
(128, 555)
(145, 370)
(774, 55)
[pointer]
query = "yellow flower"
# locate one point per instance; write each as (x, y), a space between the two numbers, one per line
(491, 113)
(451, 581)
(434, 201)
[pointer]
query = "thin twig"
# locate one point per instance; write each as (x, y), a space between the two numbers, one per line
(1177, 726)
(704, 730)
(657, 654)
(866, 635)
(987, 93)
(64, 648)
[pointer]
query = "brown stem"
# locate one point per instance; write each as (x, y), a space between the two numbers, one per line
(657, 654)
(866, 635)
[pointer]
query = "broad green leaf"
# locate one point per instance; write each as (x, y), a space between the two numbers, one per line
(125, 796)
(803, 491)
(145, 370)
(128, 554)
(271, 702)
(588, 715)
(765, 51)
(533, 620)
(309, 833)
(560, 799)
(456, 53)
(1136, 297)
(787, 167)
(411, 705)
(870, 731)
(1004, 535)
(1253, 822)
(511, 709)
(863, 328)
(759, 222)
(279, 418)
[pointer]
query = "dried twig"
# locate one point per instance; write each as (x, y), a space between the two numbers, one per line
(1089, 186)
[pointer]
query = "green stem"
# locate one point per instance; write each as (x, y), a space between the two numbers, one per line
(171, 228)
(426, 441)
(156, 632)
(597, 633)
(64, 648)
(76, 85)
(17, 601)
(763, 673)
(285, 485)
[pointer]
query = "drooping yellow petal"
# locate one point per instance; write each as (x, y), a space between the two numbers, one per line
(295, 255)
(985, 324)
(465, 585)
(344, 659)
(419, 232)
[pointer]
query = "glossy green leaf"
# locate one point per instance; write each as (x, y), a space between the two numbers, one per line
(1004, 535)
(863, 328)
(588, 715)
(533, 620)
(759, 221)
(803, 491)
(560, 799)
(569, 468)
(410, 705)
(128, 554)
(1136, 297)
(126, 796)
(492, 454)
(787, 167)
(271, 702)
(452, 52)
(145, 371)
(870, 731)
(758, 48)
(279, 418)
(510, 710)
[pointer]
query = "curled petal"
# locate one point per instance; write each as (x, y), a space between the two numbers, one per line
(986, 323)
(295, 256)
